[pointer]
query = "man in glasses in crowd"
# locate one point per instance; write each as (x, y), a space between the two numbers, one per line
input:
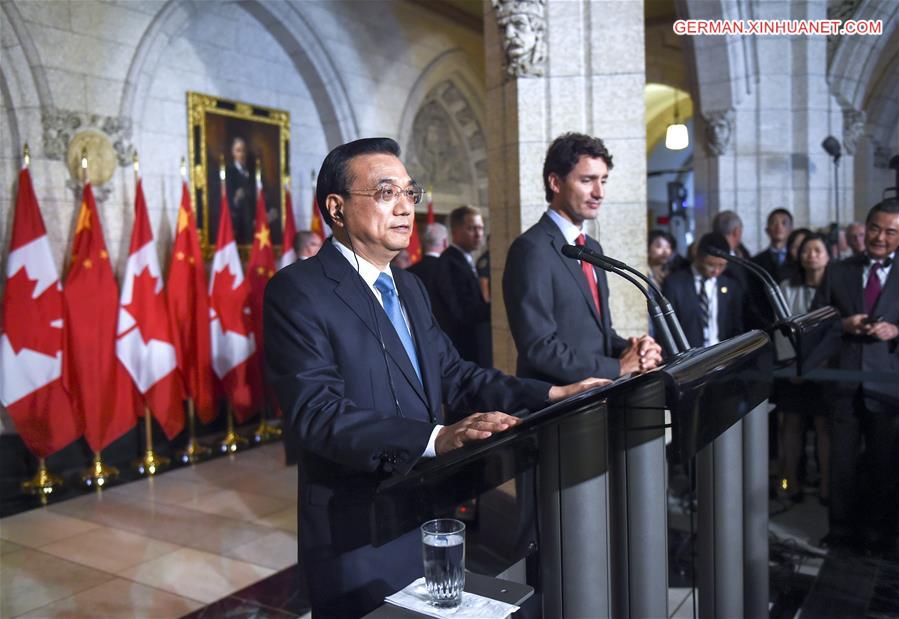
(362, 373)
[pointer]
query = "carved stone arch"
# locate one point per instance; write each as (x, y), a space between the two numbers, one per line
(441, 130)
(287, 25)
(24, 84)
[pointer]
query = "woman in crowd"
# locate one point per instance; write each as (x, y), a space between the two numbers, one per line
(661, 256)
(798, 399)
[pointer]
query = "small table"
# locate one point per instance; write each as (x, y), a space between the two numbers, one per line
(494, 588)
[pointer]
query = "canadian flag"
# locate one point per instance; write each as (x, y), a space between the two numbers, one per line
(31, 384)
(233, 343)
(144, 343)
(288, 251)
(189, 311)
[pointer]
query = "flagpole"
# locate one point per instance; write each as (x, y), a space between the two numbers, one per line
(193, 452)
(43, 483)
(232, 441)
(150, 464)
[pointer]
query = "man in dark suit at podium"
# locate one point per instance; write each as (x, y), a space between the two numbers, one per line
(559, 309)
(865, 291)
(361, 371)
(708, 301)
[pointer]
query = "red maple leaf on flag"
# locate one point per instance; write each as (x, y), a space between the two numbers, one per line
(228, 307)
(28, 320)
(152, 323)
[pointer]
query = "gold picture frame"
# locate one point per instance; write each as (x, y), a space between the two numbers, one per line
(215, 126)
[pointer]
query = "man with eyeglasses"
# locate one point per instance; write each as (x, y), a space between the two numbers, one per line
(362, 371)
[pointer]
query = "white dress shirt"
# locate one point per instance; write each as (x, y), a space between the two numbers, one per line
(568, 229)
(369, 273)
(883, 273)
(709, 334)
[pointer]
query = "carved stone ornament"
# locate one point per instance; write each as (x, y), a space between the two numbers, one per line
(60, 126)
(853, 129)
(719, 127)
(522, 30)
(841, 10)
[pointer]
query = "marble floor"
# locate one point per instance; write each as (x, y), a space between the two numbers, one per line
(161, 547)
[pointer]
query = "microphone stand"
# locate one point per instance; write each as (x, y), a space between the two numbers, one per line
(772, 290)
(655, 313)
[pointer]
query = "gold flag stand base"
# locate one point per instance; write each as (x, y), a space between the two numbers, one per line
(232, 441)
(193, 452)
(99, 475)
(43, 483)
(266, 432)
(150, 464)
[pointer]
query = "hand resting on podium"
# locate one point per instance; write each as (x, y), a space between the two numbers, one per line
(479, 426)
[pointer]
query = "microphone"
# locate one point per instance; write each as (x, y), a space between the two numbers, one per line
(582, 253)
(772, 290)
(667, 310)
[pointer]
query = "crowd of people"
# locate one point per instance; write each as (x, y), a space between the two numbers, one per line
(376, 368)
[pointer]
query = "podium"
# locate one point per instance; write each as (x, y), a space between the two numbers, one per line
(601, 470)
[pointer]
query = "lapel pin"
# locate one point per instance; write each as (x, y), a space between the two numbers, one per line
(723, 289)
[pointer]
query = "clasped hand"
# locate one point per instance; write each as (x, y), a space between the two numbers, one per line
(882, 330)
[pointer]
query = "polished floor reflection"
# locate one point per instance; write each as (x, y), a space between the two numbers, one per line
(162, 547)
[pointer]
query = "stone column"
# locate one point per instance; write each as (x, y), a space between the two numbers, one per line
(581, 68)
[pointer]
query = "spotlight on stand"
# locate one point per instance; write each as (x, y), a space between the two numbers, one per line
(832, 146)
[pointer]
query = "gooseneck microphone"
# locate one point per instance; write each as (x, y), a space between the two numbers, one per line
(772, 290)
(582, 253)
(667, 310)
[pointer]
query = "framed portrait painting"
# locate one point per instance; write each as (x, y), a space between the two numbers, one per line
(234, 140)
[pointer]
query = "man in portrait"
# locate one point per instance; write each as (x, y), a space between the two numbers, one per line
(240, 184)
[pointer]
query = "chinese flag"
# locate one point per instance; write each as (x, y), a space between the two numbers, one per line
(31, 385)
(233, 343)
(189, 311)
(318, 225)
(414, 247)
(98, 384)
(260, 269)
(430, 209)
(288, 252)
(144, 343)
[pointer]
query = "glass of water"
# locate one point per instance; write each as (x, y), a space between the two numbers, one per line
(443, 552)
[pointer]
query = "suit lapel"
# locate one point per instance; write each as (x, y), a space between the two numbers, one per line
(889, 296)
(428, 363)
(558, 241)
(724, 295)
(856, 286)
(352, 290)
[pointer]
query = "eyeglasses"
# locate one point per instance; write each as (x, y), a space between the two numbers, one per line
(390, 193)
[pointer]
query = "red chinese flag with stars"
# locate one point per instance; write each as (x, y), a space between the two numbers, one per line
(288, 252)
(318, 225)
(188, 302)
(144, 343)
(97, 383)
(233, 343)
(31, 385)
(260, 269)
(414, 247)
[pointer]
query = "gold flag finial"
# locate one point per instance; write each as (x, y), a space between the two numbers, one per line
(26, 155)
(183, 169)
(84, 178)
(222, 168)
(258, 171)
(136, 163)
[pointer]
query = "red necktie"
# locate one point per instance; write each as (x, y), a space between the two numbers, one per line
(872, 288)
(589, 275)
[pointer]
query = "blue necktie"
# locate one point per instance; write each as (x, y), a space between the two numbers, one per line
(385, 286)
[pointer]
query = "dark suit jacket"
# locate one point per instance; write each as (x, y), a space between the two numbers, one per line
(243, 204)
(333, 378)
(680, 289)
(426, 270)
(460, 307)
(558, 333)
(766, 260)
(843, 288)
